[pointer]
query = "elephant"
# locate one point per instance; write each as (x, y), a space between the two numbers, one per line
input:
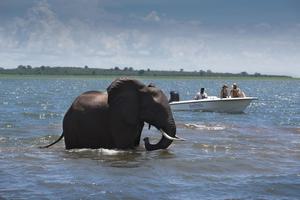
(115, 119)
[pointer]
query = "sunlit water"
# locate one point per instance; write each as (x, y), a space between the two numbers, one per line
(253, 155)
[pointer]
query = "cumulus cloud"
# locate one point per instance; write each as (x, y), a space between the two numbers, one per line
(100, 38)
(39, 31)
(152, 16)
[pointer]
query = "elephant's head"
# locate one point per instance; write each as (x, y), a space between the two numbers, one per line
(132, 103)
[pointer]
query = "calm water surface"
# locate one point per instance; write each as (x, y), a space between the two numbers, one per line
(253, 155)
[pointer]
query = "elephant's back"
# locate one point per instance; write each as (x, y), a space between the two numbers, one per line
(90, 100)
(85, 125)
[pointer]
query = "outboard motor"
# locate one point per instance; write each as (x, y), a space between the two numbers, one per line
(174, 96)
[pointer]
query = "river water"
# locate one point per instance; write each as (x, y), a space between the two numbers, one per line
(253, 155)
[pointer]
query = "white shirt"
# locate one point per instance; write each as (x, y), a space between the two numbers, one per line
(200, 96)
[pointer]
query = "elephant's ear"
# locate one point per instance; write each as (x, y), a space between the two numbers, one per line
(123, 99)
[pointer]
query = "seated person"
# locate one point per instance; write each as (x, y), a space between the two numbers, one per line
(236, 92)
(224, 92)
(200, 95)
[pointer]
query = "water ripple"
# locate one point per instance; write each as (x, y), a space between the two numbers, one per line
(254, 155)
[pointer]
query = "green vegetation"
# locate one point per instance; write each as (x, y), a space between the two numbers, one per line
(126, 71)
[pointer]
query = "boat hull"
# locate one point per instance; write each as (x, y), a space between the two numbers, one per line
(227, 105)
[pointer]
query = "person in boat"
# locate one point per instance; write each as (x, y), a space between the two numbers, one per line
(201, 94)
(224, 92)
(236, 92)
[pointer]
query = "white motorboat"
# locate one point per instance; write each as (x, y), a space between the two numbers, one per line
(213, 104)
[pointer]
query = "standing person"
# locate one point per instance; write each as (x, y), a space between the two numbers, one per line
(224, 91)
(236, 92)
(201, 95)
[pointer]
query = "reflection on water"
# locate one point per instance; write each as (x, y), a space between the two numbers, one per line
(254, 155)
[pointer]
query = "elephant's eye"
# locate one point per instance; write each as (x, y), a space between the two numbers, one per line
(154, 94)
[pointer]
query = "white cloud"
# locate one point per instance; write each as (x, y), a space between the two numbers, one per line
(42, 37)
(152, 16)
(40, 31)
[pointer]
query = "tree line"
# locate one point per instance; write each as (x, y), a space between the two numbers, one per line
(118, 71)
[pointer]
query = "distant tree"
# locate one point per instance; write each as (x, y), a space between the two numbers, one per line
(148, 70)
(21, 67)
(86, 67)
(181, 70)
(130, 69)
(209, 73)
(117, 68)
(257, 74)
(141, 72)
(244, 73)
(125, 69)
(202, 72)
(29, 67)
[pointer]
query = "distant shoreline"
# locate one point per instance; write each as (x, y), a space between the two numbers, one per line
(117, 72)
(22, 76)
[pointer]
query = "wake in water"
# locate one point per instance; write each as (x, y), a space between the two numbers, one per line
(210, 127)
(101, 151)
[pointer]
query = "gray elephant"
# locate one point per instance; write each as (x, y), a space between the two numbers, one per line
(115, 119)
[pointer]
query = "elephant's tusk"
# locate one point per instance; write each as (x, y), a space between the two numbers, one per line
(169, 137)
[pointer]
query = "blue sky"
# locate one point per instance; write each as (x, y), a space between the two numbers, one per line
(219, 35)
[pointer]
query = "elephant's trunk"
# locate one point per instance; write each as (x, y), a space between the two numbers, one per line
(164, 142)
